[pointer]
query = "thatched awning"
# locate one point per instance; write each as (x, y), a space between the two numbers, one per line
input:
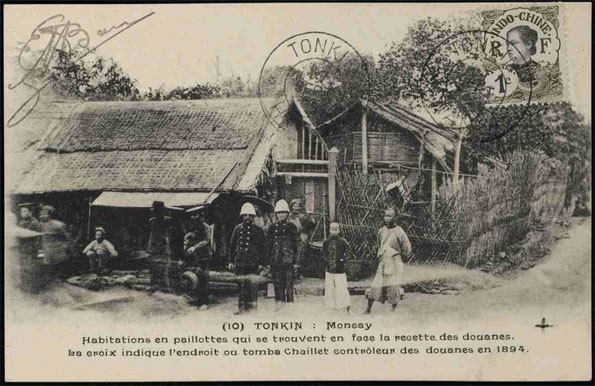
(145, 200)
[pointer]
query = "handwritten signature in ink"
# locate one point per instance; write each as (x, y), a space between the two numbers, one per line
(103, 31)
(60, 35)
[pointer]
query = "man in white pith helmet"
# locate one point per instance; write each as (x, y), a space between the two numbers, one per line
(283, 239)
(247, 251)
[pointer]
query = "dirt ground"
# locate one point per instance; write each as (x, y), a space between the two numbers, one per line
(559, 285)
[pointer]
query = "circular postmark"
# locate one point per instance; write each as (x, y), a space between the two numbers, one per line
(323, 71)
(467, 79)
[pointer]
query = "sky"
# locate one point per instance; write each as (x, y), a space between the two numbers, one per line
(179, 44)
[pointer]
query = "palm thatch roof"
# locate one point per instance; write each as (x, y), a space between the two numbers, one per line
(144, 146)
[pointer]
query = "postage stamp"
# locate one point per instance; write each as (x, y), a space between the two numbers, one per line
(526, 42)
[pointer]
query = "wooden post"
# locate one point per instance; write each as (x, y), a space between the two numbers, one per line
(365, 139)
(333, 165)
(89, 219)
(421, 152)
(310, 198)
(434, 187)
(455, 177)
(303, 142)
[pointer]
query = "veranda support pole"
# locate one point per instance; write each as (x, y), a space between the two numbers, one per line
(333, 165)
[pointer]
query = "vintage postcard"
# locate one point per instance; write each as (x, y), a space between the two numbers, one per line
(297, 192)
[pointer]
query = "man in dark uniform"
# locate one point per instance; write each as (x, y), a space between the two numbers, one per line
(27, 220)
(284, 239)
(247, 249)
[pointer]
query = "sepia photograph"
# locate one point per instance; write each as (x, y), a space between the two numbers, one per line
(297, 192)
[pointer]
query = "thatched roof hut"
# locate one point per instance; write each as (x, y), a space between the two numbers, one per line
(170, 146)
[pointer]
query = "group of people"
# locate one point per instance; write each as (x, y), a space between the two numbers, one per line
(255, 247)
(55, 238)
(54, 249)
(255, 243)
(252, 249)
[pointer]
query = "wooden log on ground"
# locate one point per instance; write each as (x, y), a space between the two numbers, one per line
(230, 277)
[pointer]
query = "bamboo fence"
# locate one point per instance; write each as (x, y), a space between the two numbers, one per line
(480, 219)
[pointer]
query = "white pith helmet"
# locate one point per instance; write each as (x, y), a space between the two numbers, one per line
(281, 206)
(248, 208)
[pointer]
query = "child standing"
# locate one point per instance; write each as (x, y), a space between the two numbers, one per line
(335, 251)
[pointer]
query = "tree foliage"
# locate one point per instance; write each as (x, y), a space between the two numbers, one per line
(421, 72)
(93, 78)
(446, 84)
(199, 91)
(326, 88)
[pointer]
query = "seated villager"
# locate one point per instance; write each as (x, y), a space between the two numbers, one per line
(99, 251)
(197, 255)
(335, 251)
(247, 249)
(393, 245)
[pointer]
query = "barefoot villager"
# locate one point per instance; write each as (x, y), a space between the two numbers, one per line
(247, 251)
(283, 239)
(335, 251)
(393, 245)
(99, 251)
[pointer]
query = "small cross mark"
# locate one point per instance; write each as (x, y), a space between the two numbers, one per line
(543, 325)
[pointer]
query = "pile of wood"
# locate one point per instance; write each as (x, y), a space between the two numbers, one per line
(219, 281)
